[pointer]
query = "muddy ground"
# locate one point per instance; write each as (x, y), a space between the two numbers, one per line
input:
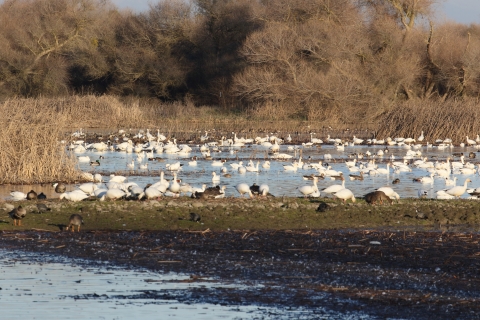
(405, 267)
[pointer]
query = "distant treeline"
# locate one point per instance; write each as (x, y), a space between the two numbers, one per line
(308, 59)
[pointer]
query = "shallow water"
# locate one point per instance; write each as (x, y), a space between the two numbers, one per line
(37, 286)
(280, 182)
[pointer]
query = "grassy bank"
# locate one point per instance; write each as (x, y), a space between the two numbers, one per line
(246, 214)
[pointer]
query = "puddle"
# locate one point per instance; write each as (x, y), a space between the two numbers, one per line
(37, 286)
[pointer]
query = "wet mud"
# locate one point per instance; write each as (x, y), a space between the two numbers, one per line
(398, 274)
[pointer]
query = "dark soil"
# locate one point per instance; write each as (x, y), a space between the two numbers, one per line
(383, 274)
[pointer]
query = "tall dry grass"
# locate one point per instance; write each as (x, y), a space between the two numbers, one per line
(30, 151)
(438, 120)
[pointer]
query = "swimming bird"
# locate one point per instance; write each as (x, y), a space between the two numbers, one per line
(356, 176)
(59, 187)
(18, 214)
(95, 163)
(75, 220)
(215, 178)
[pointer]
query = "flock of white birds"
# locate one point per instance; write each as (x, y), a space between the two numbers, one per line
(149, 147)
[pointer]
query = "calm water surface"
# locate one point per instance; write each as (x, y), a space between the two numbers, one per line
(41, 287)
(280, 181)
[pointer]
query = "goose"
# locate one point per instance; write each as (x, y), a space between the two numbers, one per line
(114, 194)
(266, 165)
(153, 193)
(41, 196)
(17, 214)
(95, 163)
(308, 190)
(422, 194)
(275, 147)
(32, 195)
(443, 195)
(334, 188)
(235, 166)
(471, 142)
(143, 166)
(255, 189)
(344, 194)
(244, 188)
(136, 192)
(131, 165)
(88, 187)
(356, 177)
(193, 163)
(174, 166)
(457, 191)
(427, 179)
(75, 220)
(75, 196)
(389, 192)
(83, 159)
(18, 195)
(59, 187)
(264, 189)
(215, 178)
(212, 192)
(384, 170)
(252, 168)
(218, 163)
(421, 137)
(119, 179)
(175, 186)
(357, 141)
(451, 182)
(291, 167)
(241, 170)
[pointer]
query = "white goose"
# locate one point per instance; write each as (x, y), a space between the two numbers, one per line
(215, 178)
(458, 191)
(345, 194)
(244, 188)
(334, 188)
(75, 196)
(389, 192)
(308, 190)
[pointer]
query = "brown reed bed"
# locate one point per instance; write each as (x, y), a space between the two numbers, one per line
(437, 119)
(31, 151)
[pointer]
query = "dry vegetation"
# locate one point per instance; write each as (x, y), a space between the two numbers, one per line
(30, 139)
